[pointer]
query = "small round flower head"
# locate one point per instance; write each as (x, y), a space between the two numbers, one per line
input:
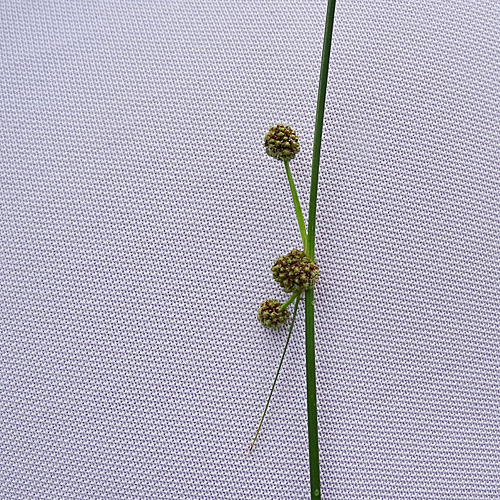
(281, 142)
(295, 272)
(270, 315)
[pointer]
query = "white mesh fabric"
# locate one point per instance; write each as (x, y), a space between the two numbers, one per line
(139, 217)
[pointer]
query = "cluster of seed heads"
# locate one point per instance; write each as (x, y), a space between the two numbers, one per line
(295, 272)
(282, 143)
(270, 314)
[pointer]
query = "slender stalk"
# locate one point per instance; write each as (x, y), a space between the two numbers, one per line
(288, 302)
(296, 204)
(297, 300)
(318, 129)
(312, 412)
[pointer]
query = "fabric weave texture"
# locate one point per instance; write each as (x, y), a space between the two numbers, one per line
(140, 217)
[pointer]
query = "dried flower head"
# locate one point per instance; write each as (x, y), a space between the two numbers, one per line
(281, 142)
(295, 272)
(270, 314)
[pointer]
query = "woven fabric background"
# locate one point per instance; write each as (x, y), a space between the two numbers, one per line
(139, 218)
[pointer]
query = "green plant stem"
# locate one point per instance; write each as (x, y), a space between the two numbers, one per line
(297, 300)
(288, 302)
(296, 204)
(312, 412)
(318, 129)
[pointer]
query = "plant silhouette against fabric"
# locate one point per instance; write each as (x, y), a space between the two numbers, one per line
(298, 271)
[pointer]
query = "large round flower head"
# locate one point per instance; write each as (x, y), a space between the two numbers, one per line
(282, 143)
(295, 272)
(270, 315)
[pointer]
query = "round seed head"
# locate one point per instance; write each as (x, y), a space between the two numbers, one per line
(281, 142)
(295, 272)
(270, 315)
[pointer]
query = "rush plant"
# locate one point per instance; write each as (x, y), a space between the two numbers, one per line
(298, 272)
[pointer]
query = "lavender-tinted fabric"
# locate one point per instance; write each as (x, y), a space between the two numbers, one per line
(139, 217)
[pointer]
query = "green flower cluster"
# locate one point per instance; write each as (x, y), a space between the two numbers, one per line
(282, 143)
(295, 272)
(270, 314)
